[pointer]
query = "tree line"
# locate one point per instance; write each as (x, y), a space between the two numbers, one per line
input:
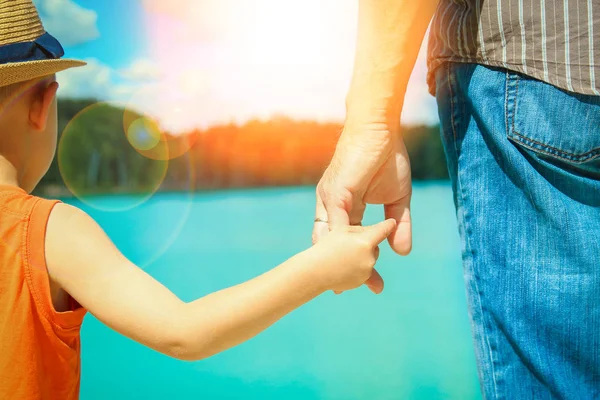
(96, 155)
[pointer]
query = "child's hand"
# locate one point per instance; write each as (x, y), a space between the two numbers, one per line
(345, 257)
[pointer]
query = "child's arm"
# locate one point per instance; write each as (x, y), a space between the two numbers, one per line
(83, 261)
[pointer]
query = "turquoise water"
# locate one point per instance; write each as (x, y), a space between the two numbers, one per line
(411, 342)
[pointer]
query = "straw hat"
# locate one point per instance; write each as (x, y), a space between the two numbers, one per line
(27, 51)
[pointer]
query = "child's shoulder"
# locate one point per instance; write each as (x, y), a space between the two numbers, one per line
(66, 216)
(67, 226)
(71, 234)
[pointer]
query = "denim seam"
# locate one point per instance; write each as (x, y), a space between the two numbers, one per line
(506, 119)
(467, 231)
(516, 97)
(452, 111)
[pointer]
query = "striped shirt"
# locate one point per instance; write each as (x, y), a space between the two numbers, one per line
(550, 40)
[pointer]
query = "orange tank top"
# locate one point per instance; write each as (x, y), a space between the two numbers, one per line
(39, 347)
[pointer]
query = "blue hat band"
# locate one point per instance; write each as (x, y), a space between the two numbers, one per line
(45, 47)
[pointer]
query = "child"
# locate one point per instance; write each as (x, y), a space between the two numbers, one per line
(56, 263)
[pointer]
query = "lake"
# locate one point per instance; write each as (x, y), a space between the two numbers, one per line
(411, 342)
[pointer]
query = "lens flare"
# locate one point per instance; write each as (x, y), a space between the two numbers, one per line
(96, 157)
(145, 133)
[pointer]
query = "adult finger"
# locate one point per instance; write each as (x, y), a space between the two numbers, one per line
(337, 203)
(321, 226)
(357, 211)
(375, 282)
(401, 238)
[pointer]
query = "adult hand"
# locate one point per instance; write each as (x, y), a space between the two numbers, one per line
(370, 166)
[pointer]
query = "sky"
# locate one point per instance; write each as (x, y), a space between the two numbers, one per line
(194, 63)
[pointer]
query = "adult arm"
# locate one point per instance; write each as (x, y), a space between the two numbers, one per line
(370, 164)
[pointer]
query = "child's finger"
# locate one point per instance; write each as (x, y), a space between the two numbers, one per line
(379, 232)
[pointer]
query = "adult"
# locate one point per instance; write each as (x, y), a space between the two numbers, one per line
(518, 97)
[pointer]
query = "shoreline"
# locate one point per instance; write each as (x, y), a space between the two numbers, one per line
(65, 193)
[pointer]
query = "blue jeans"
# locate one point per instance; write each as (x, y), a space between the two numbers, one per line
(524, 159)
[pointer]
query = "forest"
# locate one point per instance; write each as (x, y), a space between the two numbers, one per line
(106, 149)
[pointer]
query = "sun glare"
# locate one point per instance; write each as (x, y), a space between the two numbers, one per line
(241, 59)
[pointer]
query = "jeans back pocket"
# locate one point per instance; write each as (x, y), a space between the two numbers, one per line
(551, 122)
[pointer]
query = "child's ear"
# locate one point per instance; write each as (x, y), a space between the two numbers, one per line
(41, 104)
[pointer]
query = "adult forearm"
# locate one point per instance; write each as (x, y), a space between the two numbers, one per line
(226, 318)
(390, 33)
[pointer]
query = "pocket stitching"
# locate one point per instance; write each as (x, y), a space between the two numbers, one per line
(553, 151)
(543, 147)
